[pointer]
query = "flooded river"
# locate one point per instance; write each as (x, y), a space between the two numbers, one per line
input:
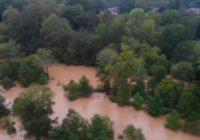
(153, 128)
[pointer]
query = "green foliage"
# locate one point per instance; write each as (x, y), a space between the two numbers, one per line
(8, 125)
(81, 89)
(169, 91)
(26, 74)
(131, 133)
(155, 105)
(173, 121)
(183, 71)
(73, 127)
(192, 127)
(37, 102)
(158, 71)
(31, 72)
(188, 103)
(43, 80)
(138, 101)
(7, 83)
(100, 128)
(10, 50)
(3, 109)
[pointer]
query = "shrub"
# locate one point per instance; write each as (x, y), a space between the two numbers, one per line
(173, 121)
(8, 125)
(7, 82)
(81, 89)
(131, 133)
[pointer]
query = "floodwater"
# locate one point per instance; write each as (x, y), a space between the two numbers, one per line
(153, 128)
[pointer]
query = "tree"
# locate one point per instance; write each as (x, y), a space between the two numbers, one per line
(26, 74)
(188, 103)
(34, 107)
(187, 51)
(10, 50)
(100, 128)
(169, 91)
(84, 87)
(155, 105)
(45, 57)
(7, 82)
(81, 89)
(73, 127)
(158, 71)
(183, 71)
(105, 57)
(131, 133)
(56, 31)
(173, 121)
(171, 36)
(3, 109)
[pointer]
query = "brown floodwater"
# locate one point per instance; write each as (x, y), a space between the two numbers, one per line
(98, 103)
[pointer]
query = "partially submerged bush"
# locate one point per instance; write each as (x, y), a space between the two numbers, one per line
(8, 125)
(81, 89)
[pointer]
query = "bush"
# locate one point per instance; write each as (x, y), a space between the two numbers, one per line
(84, 87)
(8, 125)
(7, 82)
(173, 121)
(155, 105)
(43, 80)
(192, 127)
(131, 133)
(3, 110)
(138, 100)
(81, 89)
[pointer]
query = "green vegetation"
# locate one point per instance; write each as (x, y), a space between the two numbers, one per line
(37, 102)
(3, 109)
(147, 54)
(131, 133)
(74, 127)
(173, 121)
(81, 89)
(8, 125)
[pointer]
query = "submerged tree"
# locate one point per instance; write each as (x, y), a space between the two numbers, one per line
(34, 107)
(131, 133)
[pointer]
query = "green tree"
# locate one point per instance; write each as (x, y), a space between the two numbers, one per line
(10, 50)
(56, 31)
(26, 74)
(158, 71)
(45, 57)
(3, 109)
(7, 82)
(100, 128)
(73, 127)
(131, 133)
(84, 87)
(155, 105)
(188, 103)
(34, 107)
(169, 91)
(81, 89)
(171, 36)
(183, 71)
(173, 121)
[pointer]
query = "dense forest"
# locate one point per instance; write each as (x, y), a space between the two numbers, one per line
(147, 54)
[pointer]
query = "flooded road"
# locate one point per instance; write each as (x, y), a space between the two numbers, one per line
(153, 128)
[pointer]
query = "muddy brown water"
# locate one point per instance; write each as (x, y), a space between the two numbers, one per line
(98, 103)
